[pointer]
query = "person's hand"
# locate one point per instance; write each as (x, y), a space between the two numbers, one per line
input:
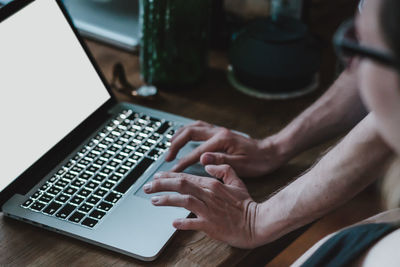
(225, 211)
(247, 156)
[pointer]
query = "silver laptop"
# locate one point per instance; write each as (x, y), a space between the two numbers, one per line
(73, 160)
(115, 22)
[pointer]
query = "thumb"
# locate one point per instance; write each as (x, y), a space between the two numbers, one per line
(225, 173)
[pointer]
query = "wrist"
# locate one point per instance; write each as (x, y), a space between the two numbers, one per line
(281, 147)
(267, 227)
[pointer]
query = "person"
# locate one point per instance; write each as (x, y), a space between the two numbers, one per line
(225, 211)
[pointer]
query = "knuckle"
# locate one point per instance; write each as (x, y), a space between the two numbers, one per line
(224, 133)
(198, 123)
(188, 200)
(215, 185)
(182, 183)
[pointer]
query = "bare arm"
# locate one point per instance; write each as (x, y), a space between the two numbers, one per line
(346, 170)
(336, 112)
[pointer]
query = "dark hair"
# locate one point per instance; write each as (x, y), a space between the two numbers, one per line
(390, 23)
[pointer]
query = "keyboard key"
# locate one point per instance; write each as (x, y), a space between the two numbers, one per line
(44, 187)
(70, 164)
(126, 150)
(53, 179)
(100, 161)
(135, 157)
(62, 198)
(37, 206)
(113, 197)
(107, 185)
(85, 162)
(106, 171)
(93, 169)
(85, 208)
(90, 222)
(84, 192)
(46, 198)
(120, 142)
(162, 146)
(113, 164)
(65, 211)
(52, 208)
(91, 155)
(27, 203)
(61, 171)
(163, 128)
(128, 163)
(122, 171)
(147, 144)
(77, 183)
(141, 150)
(77, 200)
(85, 176)
(106, 155)
(115, 178)
(104, 206)
(130, 179)
(54, 190)
(36, 195)
(99, 149)
(62, 183)
(92, 185)
(70, 190)
(99, 177)
(100, 192)
(120, 157)
(76, 217)
(69, 176)
(77, 169)
(97, 214)
(93, 200)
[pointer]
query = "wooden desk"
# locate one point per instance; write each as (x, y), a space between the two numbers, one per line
(214, 101)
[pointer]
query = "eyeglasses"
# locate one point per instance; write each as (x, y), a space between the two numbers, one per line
(347, 46)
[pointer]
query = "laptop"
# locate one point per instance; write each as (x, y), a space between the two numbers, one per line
(115, 22)
(74, 160)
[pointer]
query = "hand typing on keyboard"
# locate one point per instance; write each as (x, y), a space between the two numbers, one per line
(247, 156)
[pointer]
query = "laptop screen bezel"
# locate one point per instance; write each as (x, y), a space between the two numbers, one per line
(30, 177)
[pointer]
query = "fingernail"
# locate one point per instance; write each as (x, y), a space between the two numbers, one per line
(208, 159)
(178, 223)
(147, 187)
(155, 200)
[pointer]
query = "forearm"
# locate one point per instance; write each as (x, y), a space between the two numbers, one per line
(346, 170)
(336, 112)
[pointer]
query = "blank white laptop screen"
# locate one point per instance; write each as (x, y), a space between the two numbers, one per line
(47, 86)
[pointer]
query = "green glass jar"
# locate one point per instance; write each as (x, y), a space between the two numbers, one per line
(174, 41)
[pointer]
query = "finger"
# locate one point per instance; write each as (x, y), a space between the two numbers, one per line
(197, 123)
(213, 144)
(184, 201)
(188, 134)
(217, 158)
(180, 185)
(224, 172)
(205, 182)
(189, 224)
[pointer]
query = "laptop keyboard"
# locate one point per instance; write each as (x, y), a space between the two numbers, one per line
(85, 189)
